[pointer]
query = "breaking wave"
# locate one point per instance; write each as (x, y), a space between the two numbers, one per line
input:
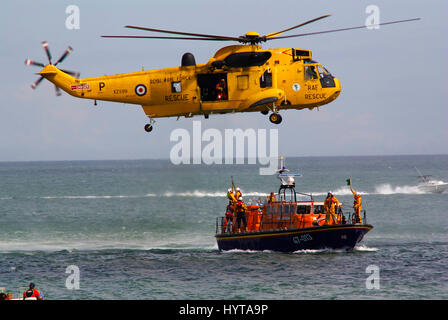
(342, 191)
(190, 194)
(363, 247)
(100, 197)
(383, 189)
(218, 194)
(389, 189)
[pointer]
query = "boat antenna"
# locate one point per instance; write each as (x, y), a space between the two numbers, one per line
(421, 176)
(283, 172)
(419, 173)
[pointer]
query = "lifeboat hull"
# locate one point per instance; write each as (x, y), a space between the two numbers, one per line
(313, 238)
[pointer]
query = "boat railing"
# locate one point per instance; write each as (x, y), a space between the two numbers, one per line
(352, 217)
(285, 223)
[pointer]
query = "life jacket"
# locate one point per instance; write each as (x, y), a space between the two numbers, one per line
(295, 220)
(357, 200)
(30, 293)
(240, 207)
(221, 92)
(231, 196)
(330, 204)
(238, 194)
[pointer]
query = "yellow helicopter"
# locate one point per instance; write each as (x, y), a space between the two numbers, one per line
(238, 78)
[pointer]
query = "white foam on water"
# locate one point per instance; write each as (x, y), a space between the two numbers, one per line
(341, 191)
(246, 251)
(188, 194)
(217, 194)
(383, 189)
(100, 197)
(387, 189)
(364, 248)
(195, 193)
(98, 244)
(310, 251)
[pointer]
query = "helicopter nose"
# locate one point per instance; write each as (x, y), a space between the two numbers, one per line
(337, 84)
(337, 87)
(334, 91)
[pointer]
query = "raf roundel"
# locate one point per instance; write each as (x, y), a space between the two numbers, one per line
(140, 90)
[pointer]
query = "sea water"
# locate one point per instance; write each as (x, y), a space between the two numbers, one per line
(144, 229)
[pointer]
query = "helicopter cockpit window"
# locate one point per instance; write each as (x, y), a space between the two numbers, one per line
(326, 79)
(322, 72)
(310, 73)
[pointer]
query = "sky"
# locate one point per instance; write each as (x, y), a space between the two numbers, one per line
(394, 84)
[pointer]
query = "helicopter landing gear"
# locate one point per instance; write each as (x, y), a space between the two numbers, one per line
(275, 118)
(149, 126)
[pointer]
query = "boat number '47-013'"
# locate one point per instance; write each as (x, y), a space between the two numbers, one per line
(302, 238)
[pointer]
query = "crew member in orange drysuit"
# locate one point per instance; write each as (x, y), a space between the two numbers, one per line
(357, 205)
(330, 205)
(241, 214)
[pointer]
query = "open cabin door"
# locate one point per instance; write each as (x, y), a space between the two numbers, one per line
(213, 92)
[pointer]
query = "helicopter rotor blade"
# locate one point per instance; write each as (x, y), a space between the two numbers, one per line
(172, 38)
(64, 55)
(36, 83)
(58, 91)
(342, 29)
(47, 50)
(274, 34)
(72, 73)
(29, 62)
(210, 36)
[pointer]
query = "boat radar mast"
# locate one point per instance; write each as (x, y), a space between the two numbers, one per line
(287, 181)
(285, 177)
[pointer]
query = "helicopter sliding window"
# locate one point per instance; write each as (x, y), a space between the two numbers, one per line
(310, 73)
(176, 87)
(242, 82)
(213, 86)
(266, 79)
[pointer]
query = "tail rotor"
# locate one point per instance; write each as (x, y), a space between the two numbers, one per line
(45, 45)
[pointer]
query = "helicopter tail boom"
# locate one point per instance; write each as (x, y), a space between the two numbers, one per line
(126, 88)
(59, 78)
